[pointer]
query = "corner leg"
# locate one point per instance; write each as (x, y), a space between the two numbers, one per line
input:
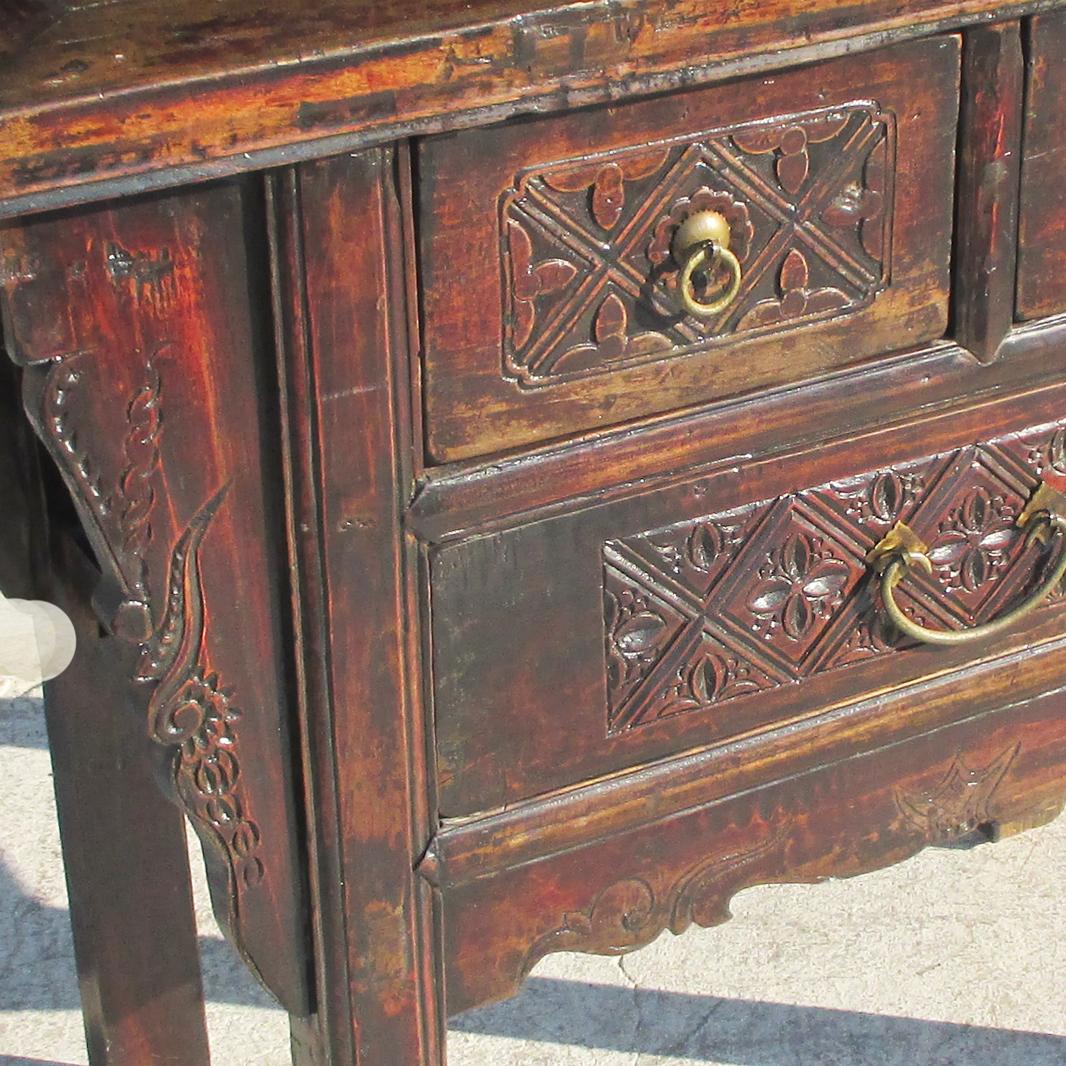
(126, 862)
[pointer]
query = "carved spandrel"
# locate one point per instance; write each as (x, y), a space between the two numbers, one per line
(779, 592)
(591, 286)
(134, 330)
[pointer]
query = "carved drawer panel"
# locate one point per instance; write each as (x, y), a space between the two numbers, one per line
(580, 644)
(552, 286)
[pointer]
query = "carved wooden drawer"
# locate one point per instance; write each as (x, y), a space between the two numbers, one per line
(722, 606)
(550, 285)
(1042, 220)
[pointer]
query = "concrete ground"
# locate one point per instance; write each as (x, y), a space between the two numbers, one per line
(956, 957)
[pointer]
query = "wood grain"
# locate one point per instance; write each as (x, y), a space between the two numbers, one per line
(146, 380)
(370, 791)
(126, 91)
(989, 167)
(592, 622)
(1042, 219)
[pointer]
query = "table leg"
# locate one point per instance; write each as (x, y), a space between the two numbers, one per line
(127, 866)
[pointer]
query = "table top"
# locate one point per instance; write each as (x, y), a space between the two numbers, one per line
(100, 97)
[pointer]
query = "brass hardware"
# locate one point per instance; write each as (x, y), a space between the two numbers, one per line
(1044, 518)
(701, 244)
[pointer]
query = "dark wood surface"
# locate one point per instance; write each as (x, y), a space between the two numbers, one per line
(1042, 235)
(569, 319)
(153, 91)
(726, 604)
(124, 850)
(465, 631)
(149, 380)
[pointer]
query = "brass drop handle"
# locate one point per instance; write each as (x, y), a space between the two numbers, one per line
(701, 243)
(901, 550)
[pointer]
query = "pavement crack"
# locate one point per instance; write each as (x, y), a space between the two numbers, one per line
(637, 1038)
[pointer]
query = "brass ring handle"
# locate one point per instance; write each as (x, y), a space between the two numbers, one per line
(901, 550)
(702, 242)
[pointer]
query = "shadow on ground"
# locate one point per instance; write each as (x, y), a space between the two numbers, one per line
(37, 974)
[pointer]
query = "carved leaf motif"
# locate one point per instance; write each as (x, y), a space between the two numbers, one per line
(792, 171)
(610, 327)
(639, 633)
(887, 496)
(794, 272)
(530, 282)
(608, 195)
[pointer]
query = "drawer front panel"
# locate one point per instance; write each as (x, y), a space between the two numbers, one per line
(1042, 221)
(552, 287)
(583, 644)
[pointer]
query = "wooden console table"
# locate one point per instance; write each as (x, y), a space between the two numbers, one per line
(524, 475)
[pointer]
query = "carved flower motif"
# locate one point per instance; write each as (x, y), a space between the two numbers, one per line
(799, 585)
(974, 541)
(530, 281)
(735, 212)
(606, 183)
(635, 630)
(790, 145)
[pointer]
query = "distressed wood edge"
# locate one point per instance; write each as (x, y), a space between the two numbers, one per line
(958, 797)
(351, 929)
(493, 494)
(989, 185)
(484, 845)
(291, 144)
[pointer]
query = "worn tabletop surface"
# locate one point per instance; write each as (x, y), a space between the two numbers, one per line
(98, 96)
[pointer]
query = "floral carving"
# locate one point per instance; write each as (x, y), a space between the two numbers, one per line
(606, 183)
(590, 283)
(960, 802)
(974, 541)
(801, 583)
(530, 281)
(795, 299)
(611, 341)
(188, 709)
(141, 451)
(791, 146)
(718, 608)
(862, 204)
(882, 499)
(733, 210)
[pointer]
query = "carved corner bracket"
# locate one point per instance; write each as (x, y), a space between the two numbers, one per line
(189, 708)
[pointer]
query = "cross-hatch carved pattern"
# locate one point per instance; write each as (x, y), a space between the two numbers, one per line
(590, 285)
(725, 606)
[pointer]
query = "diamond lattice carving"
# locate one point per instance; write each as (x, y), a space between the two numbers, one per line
(726, 606)
(590, 285)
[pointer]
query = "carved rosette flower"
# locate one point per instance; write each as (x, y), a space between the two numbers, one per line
(974, 542)
(735, 212)
(801, 583)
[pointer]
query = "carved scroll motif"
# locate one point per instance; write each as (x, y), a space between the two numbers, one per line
(960, 802)
(189, 708)
(629, 914)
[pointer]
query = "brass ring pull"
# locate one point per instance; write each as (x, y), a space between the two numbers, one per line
(702, 243)
(902, 550)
